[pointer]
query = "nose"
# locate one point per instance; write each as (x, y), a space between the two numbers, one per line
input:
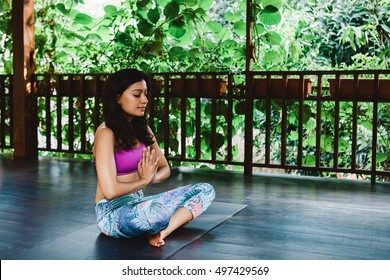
(144, 98)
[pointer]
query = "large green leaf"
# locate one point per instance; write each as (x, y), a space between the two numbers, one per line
(309, 160)
(273, 38)
(205, 4)
(343, 145)
(381, 157)
(272, 56)
(171, 10)
(123, 39)
(176, 52)
(110, 9)
(83, 19)
(229, 16)
(154, 15)
(367, 125)
(270, 16)
(177, 28)
(145, 28)
(188, 37)
(214, 26)
(61, 7)
(240, 28)
(293, 136)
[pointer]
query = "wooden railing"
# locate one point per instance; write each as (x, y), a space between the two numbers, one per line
(313, 122)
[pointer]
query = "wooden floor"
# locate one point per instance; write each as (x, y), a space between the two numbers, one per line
(286, 218)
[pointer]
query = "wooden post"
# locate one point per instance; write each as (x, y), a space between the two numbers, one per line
(24, 104)
(248, 156)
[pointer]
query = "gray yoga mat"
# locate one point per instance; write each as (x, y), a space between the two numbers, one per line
(89, 243)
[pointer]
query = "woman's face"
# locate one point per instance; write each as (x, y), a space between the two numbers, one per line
(134, 99)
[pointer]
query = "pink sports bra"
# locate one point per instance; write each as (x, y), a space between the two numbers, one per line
(127, 160)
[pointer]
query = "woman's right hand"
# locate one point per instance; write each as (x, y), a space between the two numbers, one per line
(147, 166)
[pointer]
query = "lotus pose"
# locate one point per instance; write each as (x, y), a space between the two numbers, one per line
(128, 159)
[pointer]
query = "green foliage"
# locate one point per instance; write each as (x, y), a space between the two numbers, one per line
(5, 38)
(154, 35)
(330, 33)
(202, 35)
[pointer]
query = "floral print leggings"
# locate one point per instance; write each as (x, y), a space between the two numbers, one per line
(133, 215)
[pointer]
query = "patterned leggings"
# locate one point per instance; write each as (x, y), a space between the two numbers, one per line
(133, 215)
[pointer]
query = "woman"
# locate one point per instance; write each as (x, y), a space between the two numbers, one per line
(128, 159)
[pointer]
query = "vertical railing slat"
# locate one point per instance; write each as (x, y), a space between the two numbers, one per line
(230, 117)
(354, 122)
(283, 139)
(81, 107)
(374, 129)
(71, 115)
(60, 93)
(336, 124)
(319, 99)
(300, 122)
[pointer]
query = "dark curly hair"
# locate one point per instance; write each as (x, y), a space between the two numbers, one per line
(126, 132)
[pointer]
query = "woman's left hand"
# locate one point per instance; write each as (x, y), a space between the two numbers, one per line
(148, 165)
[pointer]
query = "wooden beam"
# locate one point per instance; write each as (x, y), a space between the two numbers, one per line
(24, 104)
(248, 158)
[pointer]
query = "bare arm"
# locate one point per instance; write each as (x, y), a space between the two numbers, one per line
(106, 169)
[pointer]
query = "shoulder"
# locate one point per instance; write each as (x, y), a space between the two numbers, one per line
(103, 132)
(104, 140)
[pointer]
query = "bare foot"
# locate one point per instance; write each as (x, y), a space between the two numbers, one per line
(157, 240)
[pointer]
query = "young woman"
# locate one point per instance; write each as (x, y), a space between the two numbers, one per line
(128, 159)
